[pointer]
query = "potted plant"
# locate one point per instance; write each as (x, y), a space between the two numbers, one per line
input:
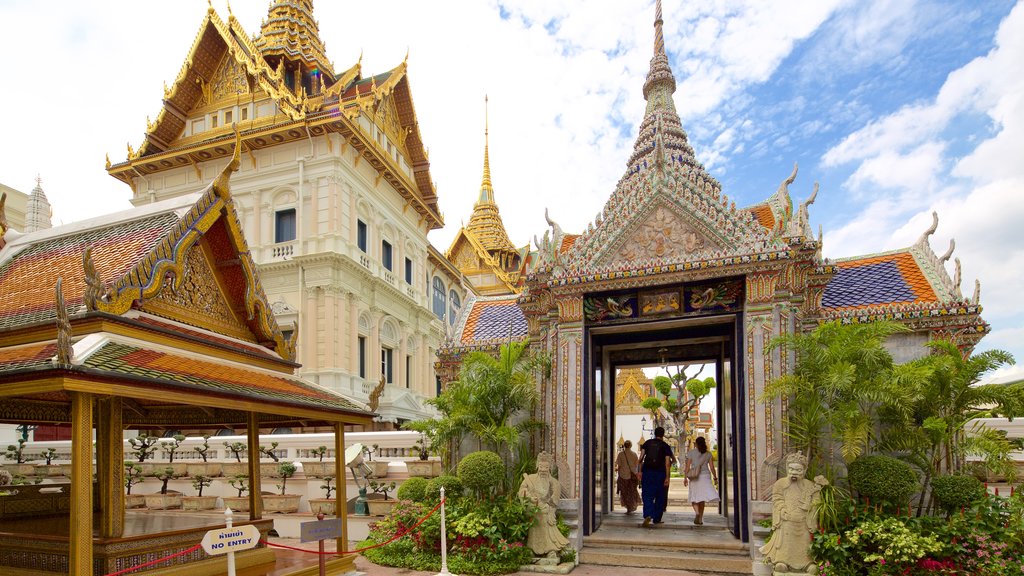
(282, 502)
(238, 503)
(165, 499)
(237, 467)
(315, 469)
(325, 504)
(48, 469)
(380, 467)
(380, 504)
(200, 502)
(422, 467)
(144, 446)
(204, 468)
(132, 476)
(270, 469)
(171, 447)
(17, 453)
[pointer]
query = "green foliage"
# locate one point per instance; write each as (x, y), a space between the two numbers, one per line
(269, 452)
(453, 489)
(236, 449)
(172, 445)
(201, 481)
(241, 483)
(883, 480)
(165, 475)
(49, 454)
(413, 489)
(382, 487)
(651, 404)
(143, 446)
(204, 448)
(663, 384)
(956, 491)
(843, 374)
(16, 453)
(132, 475)
(285, 470)
(482, 472)
(493, 402)
(319, 452)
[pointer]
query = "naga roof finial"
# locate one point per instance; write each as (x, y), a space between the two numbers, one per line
(945, 257)
(95, 291)
(220, 183)
(931, 229)
(977, 292)
(64, 351)
(956, 280)
(3, 216)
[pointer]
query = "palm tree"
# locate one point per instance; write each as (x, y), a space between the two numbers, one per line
(842, 375)
(939, 431)
(493, 401)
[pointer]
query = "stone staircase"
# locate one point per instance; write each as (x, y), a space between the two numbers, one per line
(677, 544)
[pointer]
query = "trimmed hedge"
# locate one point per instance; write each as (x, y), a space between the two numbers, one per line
(955, 491)
(883, 479)
(413, 489)
(453, 489)
(482, 472)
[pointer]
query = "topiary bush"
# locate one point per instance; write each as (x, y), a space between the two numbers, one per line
(413, 489)
(883, 479)
(453, 489)
(482, 472)
(955, 491)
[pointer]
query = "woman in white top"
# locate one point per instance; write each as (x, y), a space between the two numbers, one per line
(701, 477)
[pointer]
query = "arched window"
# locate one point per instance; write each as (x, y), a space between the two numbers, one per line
(439, 299)
(454, 306)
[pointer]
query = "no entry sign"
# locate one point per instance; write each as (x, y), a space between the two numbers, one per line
(232, 539)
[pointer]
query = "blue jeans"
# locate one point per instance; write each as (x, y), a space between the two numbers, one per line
(653, 484)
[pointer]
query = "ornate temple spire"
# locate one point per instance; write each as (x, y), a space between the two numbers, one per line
(485, 223)
(38, 210)
(486, 191)
(291, 33)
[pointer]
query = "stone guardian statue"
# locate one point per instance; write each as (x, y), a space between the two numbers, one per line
(542, 490)
(795, 502)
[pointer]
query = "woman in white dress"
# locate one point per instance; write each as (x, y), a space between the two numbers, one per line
(701, 477)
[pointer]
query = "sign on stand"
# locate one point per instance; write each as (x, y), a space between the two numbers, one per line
(320, 530)
(231, 539)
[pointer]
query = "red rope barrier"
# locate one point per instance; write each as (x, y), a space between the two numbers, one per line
(157, 561)
(336, 553)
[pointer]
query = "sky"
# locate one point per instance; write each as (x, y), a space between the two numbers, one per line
(896, 107)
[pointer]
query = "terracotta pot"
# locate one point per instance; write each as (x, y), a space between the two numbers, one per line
(380, 507)
(423, 468)
(283, 503)
(236, 503)
(232, 469)
(322, 505)
(199, 502)
(163, 501)
(380, 468)
(134, 500)
(209, 469)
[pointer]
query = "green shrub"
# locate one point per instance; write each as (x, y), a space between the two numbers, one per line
(482, 472)
(956, 491)
(883, 479)
(452, 489)
(413, 489)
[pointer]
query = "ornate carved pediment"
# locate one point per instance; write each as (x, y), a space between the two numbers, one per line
(228, 82)
(465, 257)
(661, 234)
(199, 301)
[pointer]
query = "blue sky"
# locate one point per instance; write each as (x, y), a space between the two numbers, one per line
(897, 108)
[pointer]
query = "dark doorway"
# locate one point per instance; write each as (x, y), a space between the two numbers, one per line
(713, 340)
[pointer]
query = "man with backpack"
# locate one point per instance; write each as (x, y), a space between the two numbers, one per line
(655, 465)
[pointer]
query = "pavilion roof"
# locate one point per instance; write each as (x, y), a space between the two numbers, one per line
(487, 321)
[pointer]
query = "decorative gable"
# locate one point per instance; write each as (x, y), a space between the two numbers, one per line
(464, 256)
(200, 301)
(661, 234)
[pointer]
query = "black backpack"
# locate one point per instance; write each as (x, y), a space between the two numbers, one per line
(654, 454)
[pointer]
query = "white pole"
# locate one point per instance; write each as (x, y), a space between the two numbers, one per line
(444, 541)
(231, 555)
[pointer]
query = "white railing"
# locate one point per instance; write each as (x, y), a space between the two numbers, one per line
(290, 447)
(282, 251)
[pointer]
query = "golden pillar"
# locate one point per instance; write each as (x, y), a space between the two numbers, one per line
(110, 467)
(80, 539)
(340, 495)
(255, 485)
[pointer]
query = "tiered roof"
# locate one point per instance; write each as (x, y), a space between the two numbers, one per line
(285, 66)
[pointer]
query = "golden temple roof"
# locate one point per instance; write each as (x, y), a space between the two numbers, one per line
(291, 32)
(485, 223)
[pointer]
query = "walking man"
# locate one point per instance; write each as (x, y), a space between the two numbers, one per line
(655, 463)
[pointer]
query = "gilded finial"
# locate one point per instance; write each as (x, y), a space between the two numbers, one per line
(95, 290)
(485, 185)
(220, 183)
(230, 13)
(131, 151)
(406, 60)
(108, 160)
(3, 217)
(659, 38)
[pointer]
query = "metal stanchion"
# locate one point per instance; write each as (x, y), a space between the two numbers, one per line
(323, 560)
(444, 541)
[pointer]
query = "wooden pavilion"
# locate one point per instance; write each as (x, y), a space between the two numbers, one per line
(159, 321)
